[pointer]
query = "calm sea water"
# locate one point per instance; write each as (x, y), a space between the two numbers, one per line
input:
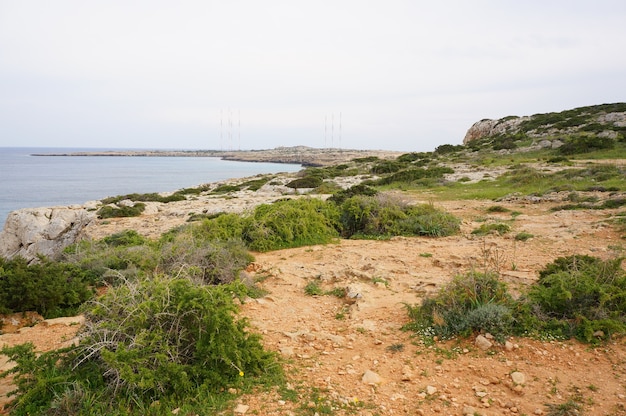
(40, 181)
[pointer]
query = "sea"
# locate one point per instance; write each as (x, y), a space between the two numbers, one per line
(28, 181)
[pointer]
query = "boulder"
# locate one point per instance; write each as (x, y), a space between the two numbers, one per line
(30, 232)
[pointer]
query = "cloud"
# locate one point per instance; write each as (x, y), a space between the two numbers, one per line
(406, 75)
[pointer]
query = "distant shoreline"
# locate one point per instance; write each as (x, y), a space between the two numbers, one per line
(305, 156)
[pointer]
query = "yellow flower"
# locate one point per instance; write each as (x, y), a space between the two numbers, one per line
(356, 400)
(241, 374)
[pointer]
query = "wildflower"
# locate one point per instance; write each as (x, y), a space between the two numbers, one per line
(241, 374)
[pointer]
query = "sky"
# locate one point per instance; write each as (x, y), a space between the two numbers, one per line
(406, 75)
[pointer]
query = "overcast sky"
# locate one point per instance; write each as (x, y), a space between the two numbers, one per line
(379, 74)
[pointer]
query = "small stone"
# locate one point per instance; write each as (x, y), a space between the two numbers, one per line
(176, 411)
(538, 411)
(483, 343)
(488, 336)
(508, 346)
(430, 390)
(287, 351)
(407, 374)
(518, 378)
(370, 377)
(232, 391)
(241, 408)
(598, 334)
(282, 402)
(469, 410)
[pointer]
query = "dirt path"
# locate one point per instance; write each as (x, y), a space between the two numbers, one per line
(329, 343)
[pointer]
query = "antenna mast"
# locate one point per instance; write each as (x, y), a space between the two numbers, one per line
(340, 129)
(332, 130)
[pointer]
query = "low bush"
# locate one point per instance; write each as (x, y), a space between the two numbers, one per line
(474, 302)
(578, 297)
(111, 211)
(360, 189)
(150, 197)
(494, 227)
(50, 288)
(157, 340)
(305, 182)
(291, 223)
(585, 144)
(385, 216)
(414, 175)
(581, 296)
(210, 261)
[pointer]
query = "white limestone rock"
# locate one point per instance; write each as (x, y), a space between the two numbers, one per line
(30, 232)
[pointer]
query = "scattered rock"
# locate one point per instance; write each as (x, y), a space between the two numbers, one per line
(407, 374)
(370, 377)
(469, 411)
(241, 408)
(430, 390)
(483, 343)
(518, 378)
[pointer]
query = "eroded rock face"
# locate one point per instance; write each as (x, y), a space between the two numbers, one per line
(32, 231)
(488, 128)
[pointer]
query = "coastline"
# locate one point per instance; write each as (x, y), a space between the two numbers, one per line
(303, 155)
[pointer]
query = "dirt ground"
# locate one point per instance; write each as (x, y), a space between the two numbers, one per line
(330, 343)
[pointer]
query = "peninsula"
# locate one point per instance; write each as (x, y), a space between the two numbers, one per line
(304, 155)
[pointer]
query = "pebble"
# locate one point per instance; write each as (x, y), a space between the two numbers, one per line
(241, 408)
(518, 377)
(370, 377)
(483, 343)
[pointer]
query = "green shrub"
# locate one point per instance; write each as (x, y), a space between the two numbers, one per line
(210, 261)
(415, 174)
(412, 157)
(158, 340)
(496, 227)
(109, 211)
(226, 188)
(125, 238)
(360, 189)
(581, 295)
(149, 197)
(384, 216)
(387, 166)
(51, 288)
(497, 208)
(474, 302)
(523, 236)
(291, 223)
(313, 288)
(306, 182)
(255, 184)
(585, 144)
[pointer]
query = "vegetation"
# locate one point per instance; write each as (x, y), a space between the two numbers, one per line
(50, 288)
(164, 340)
(385, 216)
(111, 211)
(578, 297)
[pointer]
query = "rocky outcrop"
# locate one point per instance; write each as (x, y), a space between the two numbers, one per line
(30, 232)
(605, 120)
(488, 128)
